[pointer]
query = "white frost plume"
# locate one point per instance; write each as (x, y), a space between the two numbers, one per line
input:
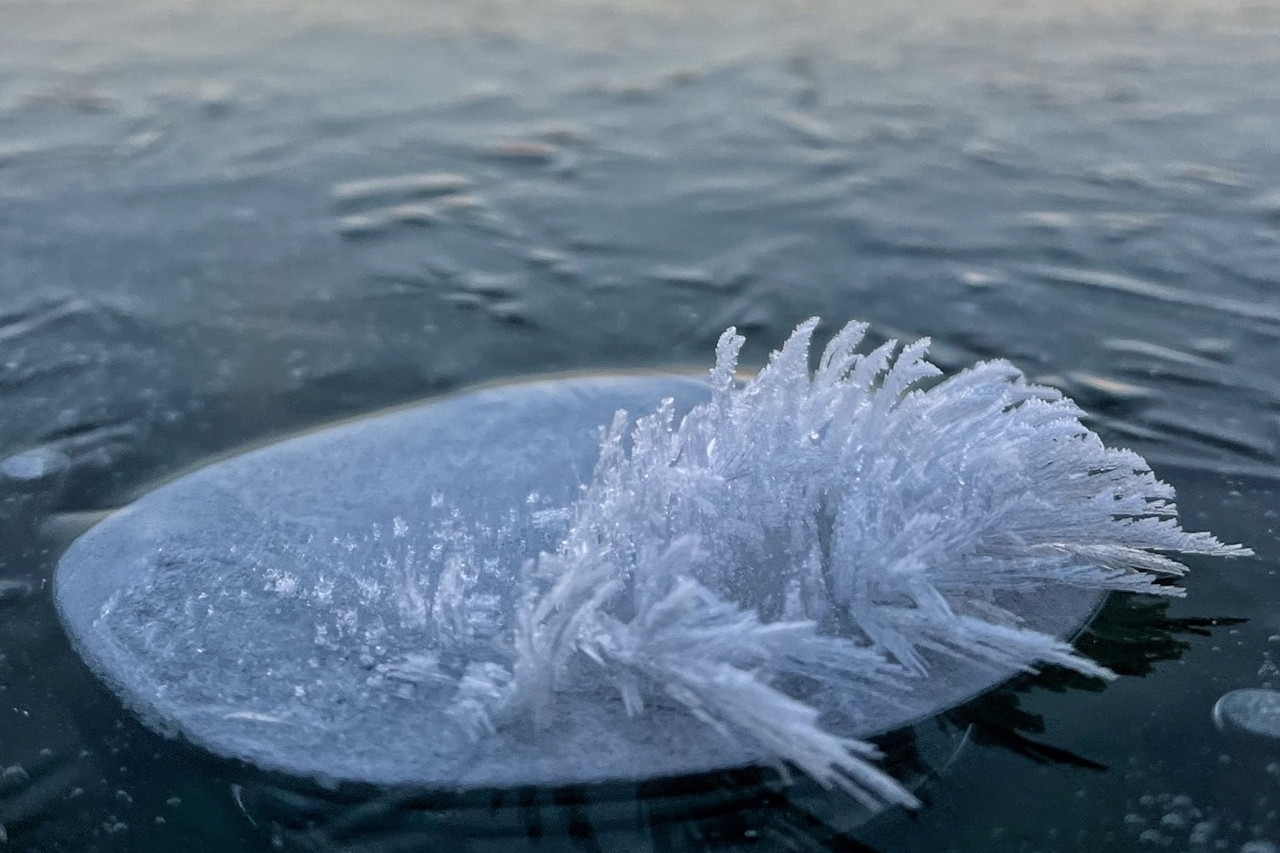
(834, 529)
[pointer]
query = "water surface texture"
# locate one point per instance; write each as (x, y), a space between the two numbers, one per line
(224, 223)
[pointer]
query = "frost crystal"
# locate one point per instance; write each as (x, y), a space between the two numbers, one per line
(830, 532)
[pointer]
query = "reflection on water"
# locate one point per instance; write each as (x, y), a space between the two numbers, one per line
(1130, 635)
(720, 813)
(220, 224)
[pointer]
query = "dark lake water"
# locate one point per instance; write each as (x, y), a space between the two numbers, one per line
(225, 223)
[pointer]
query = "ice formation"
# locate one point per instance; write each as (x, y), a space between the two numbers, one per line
(1249, 710)
(828, 532)
(759, 570)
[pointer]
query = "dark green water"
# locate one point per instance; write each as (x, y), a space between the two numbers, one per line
(208, 239)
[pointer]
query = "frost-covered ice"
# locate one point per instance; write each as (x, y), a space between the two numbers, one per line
(835, 529)
(765, 571)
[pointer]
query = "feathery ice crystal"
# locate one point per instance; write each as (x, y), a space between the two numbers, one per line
(828, 532)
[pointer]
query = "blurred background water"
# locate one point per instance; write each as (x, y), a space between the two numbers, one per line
(223, 223)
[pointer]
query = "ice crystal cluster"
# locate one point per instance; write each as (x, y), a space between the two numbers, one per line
(833, 531)
(835, 547)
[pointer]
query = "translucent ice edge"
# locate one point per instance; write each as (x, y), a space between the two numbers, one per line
(826, 533)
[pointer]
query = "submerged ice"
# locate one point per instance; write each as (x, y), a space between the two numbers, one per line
(760, 570)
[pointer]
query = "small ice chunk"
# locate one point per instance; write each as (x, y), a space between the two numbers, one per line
(35, 464)
(15, 590)
(1258, 846)
(1201, 833)
(400, 186)
(1250, 711)
(14, 773)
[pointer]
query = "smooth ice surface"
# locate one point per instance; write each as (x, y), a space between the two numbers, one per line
(264, 607)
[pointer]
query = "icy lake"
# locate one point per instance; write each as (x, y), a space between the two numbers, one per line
(221, 225)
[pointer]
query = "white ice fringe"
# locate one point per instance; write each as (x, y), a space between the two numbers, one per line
(836, 528)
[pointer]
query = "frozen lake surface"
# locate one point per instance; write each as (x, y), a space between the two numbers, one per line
(223, 225)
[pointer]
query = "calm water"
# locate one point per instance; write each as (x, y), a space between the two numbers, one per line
(224, 223)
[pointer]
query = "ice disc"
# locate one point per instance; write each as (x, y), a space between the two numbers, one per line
(283, 607)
